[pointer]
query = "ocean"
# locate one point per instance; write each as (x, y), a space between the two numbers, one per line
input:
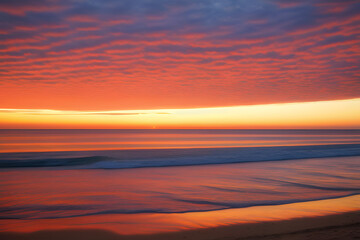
(147, 181)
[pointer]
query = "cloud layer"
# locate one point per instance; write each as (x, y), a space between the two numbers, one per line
(150, 54)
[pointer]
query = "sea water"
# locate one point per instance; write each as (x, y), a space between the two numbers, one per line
(92, 178)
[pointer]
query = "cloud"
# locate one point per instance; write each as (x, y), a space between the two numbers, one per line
(22, 7)
(167, 54)
(76, 113)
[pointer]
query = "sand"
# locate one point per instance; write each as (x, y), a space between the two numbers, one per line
(338, 226)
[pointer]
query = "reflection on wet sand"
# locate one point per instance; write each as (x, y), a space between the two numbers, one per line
(155, 200)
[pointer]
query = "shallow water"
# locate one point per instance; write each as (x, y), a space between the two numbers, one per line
(108, 139)
(49, 194)
(107, 189)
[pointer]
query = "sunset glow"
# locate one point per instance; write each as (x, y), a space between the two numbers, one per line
(325, 114)
(129, 55)
(179, 119)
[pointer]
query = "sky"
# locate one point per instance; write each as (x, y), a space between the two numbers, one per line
(75, 57)
(339, 114)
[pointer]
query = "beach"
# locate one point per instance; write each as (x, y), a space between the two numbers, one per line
(344, 226)
(215, 193)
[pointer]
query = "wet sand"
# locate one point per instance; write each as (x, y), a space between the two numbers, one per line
(48, 205)
(338, 226)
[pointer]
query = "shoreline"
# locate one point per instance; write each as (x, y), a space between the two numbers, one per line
(109, 219)
(335, 226)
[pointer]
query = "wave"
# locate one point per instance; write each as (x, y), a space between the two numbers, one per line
(55, 162)
(121, 159)
(69, 211)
